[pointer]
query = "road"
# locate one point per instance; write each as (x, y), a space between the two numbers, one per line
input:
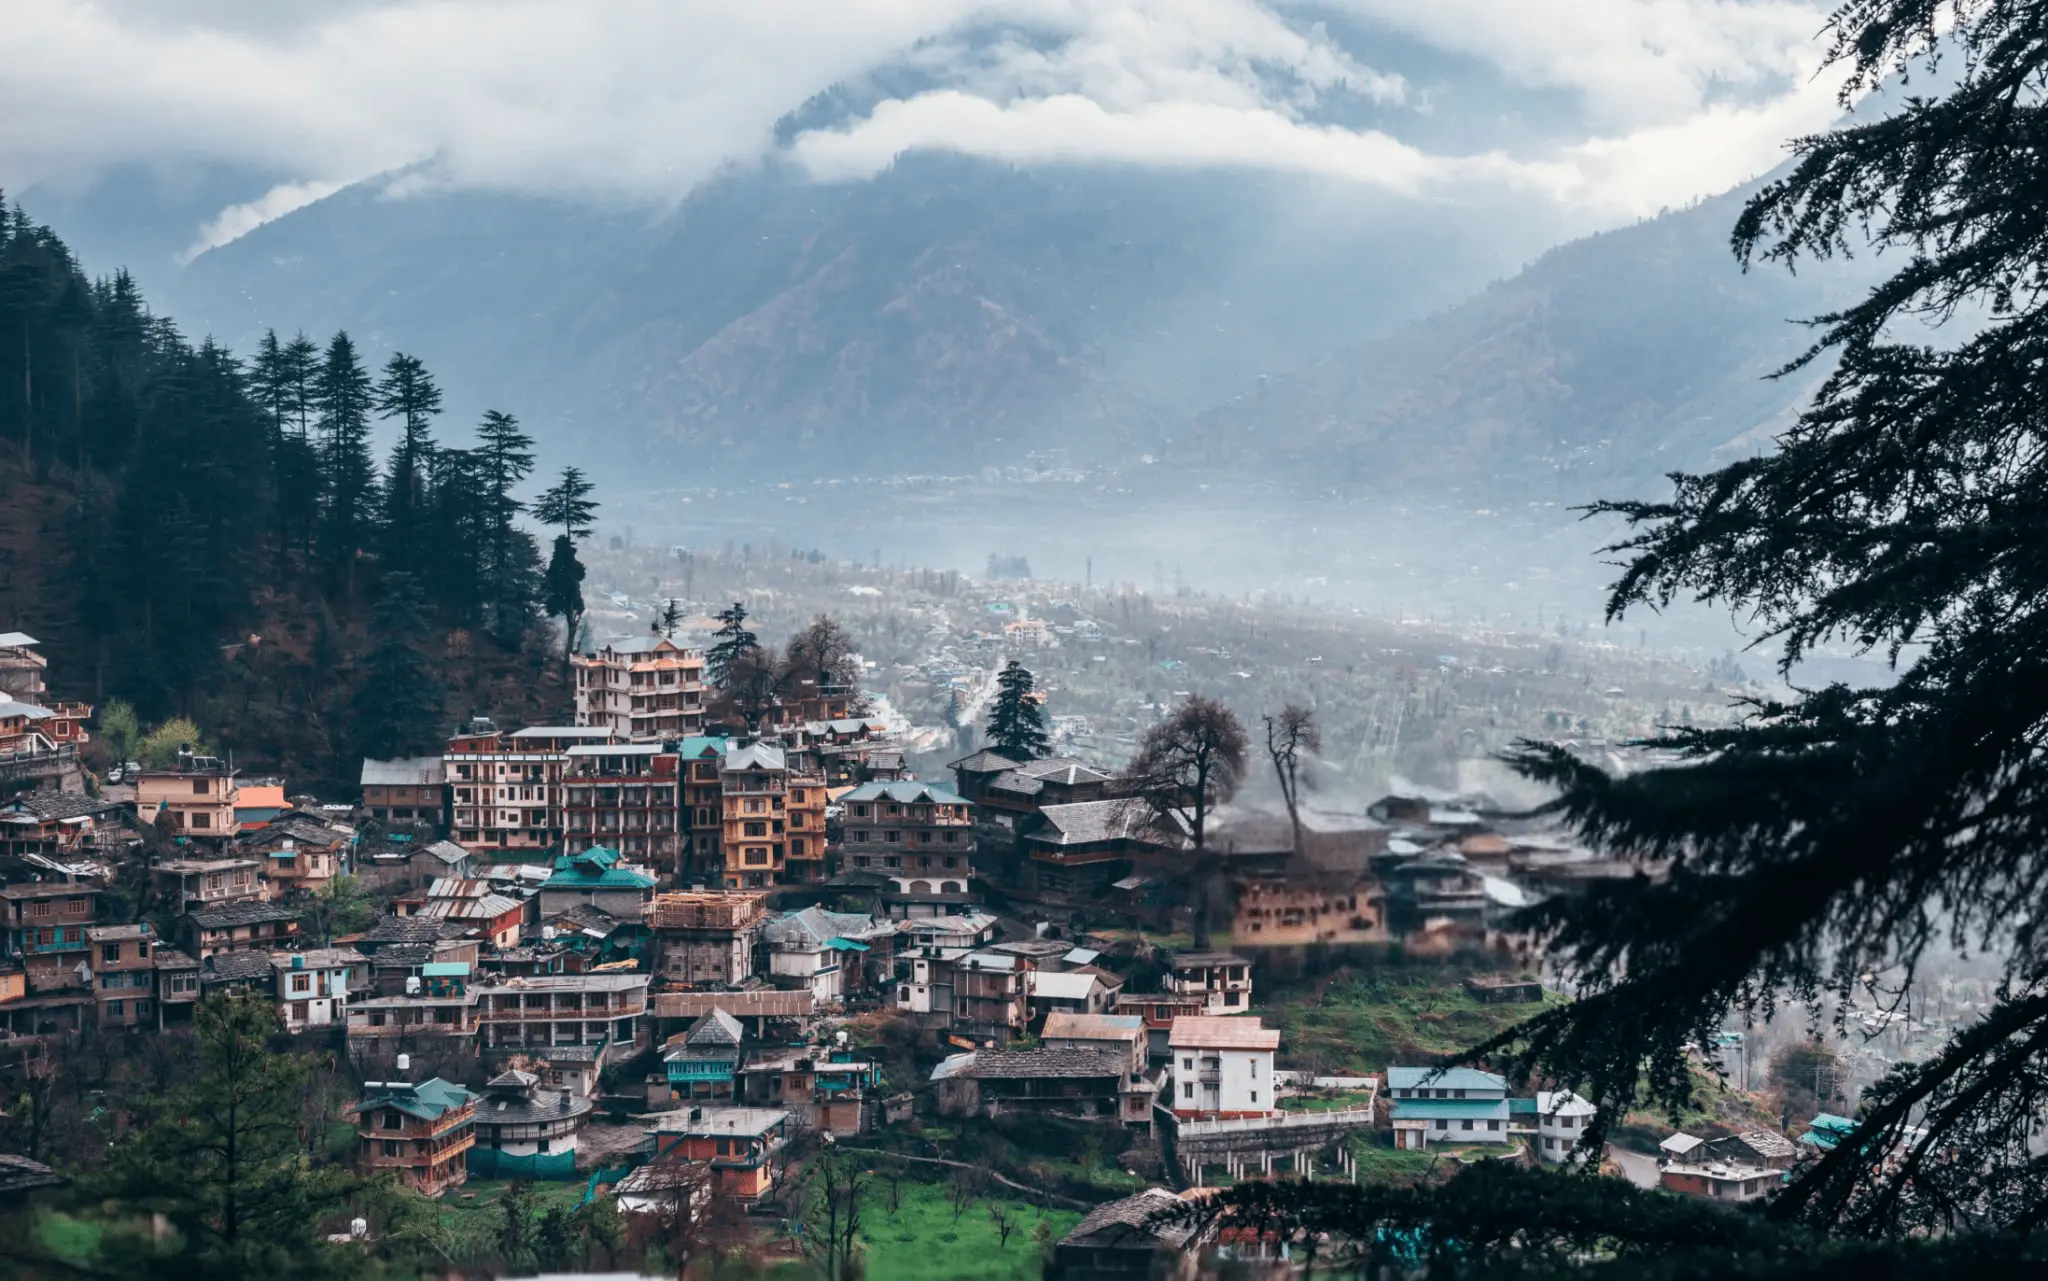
(1640, 1169)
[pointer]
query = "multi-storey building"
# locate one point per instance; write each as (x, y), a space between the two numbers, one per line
(422, 1133)
(299, 853)
(805, 859)
(1222, 979)
(628, 796)
(187, 885)
(525, 1130)
(46, 923)
(604, 1011)
(706, 938)
(647, 689)
(907, 827)
(438, 1007)
(238, 927)
(754, 784)
(197, 795)
(699, 763)
(597, 878)
(22, 666)
(1223, 1068)
(313, 986)
(123, 974)
(61, 825)
(506, 789)
(405, 793)
(743, 1146)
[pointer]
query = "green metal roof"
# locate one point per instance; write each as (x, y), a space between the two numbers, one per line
(845, 945)
(445, 970)
(1450, 1109)
(429, 1100)
(702, 745)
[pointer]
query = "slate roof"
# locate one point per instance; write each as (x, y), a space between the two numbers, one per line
(1043, 1063)
(755, 756)
(296, 826)
(716, 1030)
(1767, 1143)
(1129, 1222)
(235, 967)
(906, 792)
(1086, 822)
(19, 1174)
(402, 929)
(815, 927)
(47, 804)
(586, 919)
(228, 915)
(985, 761)
(447, 851)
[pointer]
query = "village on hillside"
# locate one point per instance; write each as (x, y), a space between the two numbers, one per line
(660, 964)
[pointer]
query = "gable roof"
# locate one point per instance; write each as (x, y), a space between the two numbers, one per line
(1050, 1062)
(430, 1100)
(716, 1030)
(985, 761)
(228, 915)
(1063, 1025)
(1131, 1221)
(906, 792)
(1059, 985)
(1445, 1078)
(1222, 1032)
(755, 756)
(1086, 822)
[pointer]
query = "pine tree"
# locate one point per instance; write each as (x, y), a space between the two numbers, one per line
(562, 591)
(1824, 844)
(670, 618)
(407, 392)
(732, 645)
(397, 708)
(220, 1156)
(343, 397)
(1016, 724)
(568, 504)
(504, 457)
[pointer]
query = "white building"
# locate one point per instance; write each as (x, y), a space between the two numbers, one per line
(1561, 1118)
(313, 987)
(1222, 1067)
(1447, 1105)
(1222, 979)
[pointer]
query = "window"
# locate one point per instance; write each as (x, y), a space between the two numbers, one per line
(391, 1120)
(114, 1009)
(1188, 1064)
(1465, 1125)
(797, 849)
(1188, 1091)
(1255, 1096)
(298, 1011)
(202, 820)
(301, 984)
(1493, 1125)
(199, 787)
(42, 907)
(110, 953)
(861, 835)
(390, 1147)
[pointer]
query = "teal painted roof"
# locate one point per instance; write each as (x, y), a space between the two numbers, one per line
(702, 745)
(429, 1100)
(1456, 1078)
(1450, 1109)
(845, 945)
(445, 970)
(594, 869)
(1522, 1107)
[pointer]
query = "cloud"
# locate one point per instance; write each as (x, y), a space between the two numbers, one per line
(640, 100)
(239, 220)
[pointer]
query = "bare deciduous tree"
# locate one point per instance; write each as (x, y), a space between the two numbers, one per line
(1290, 735)
(1186, 766)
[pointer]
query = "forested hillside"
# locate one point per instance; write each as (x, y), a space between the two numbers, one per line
(208, 535)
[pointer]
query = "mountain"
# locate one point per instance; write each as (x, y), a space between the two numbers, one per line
(950, 313)
(1608, 362)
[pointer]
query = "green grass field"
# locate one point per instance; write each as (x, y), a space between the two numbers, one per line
(480, 1213)
(1357, 1021)
(923, 1243)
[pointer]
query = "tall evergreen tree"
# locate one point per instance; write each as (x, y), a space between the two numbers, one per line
(1016, 724)
(344, 398)
(504, 458)
(1823, 845)
(397, 707)
(407, 392)
(568, 504)
(562, 591)
(732, 643)
(220, 1155)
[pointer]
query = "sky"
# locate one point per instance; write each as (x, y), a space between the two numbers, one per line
(1649, 103)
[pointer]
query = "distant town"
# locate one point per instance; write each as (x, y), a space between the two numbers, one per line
(655, 960)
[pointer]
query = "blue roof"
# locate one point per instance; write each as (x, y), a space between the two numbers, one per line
(701, 745)
(1450, 1109)
(445, 970)
(1431, 1078)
